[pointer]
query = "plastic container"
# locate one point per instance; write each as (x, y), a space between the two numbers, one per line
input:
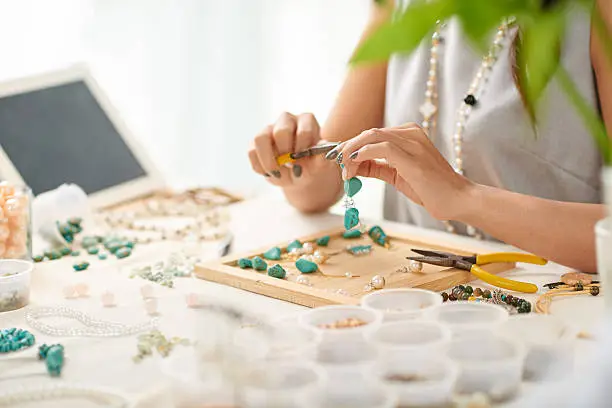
(549, 345)
(316, 318)
(489, 364)
(420, 382)
(374, 396)
(14, 284)
(348, 365)
(15, 222)
(468, 319)
(401, 304)
(287, 385)
(409, 339)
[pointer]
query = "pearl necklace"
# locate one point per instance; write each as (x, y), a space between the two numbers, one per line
(429, 108)
(58, 391)
(94, 328)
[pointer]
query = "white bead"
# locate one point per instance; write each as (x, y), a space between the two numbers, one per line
(432, 73)
(377, 282)
(429, 83)
(449, 227)
(108, 299)
(425, 124)
(151, 306)
(146, 291)
(308, 248)
(348, 274)
(415, 266)
(302, 280)
(428, 94)
(458, 149)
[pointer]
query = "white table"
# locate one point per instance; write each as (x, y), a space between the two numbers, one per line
(255, 223)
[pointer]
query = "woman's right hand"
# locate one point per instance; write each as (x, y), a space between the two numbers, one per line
(289, 134)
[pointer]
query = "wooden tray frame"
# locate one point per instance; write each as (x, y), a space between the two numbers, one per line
(221, 271)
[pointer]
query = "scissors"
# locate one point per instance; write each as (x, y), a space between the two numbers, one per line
(312, 151)
(471, 264)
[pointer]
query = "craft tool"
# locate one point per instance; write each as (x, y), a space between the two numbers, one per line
(312, 151)
(472, 264)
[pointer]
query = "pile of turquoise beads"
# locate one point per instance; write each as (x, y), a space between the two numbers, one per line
(93, 245)
(70, 228)
(14, 339)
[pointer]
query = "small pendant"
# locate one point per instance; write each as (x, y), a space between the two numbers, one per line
(351, 218)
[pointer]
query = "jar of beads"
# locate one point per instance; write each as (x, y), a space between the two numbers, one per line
(15, 221)
(14, 284)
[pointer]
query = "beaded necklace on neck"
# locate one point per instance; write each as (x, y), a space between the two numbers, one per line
(429, 108)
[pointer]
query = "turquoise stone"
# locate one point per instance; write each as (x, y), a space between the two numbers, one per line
(259, 264)
(38, 258)
(351, 218)
(129, 244)
(54, 255)
(378, 235)
(65, 251)
(80, 266)
(352, 186)
(355, 233)
(75, 253)
(294, 245)
(245, 263)
(306, 266)
(114, 246)
(54, 359)
(89, 241)
(360, 249)
(277, 271)
(102, 256)
(123, 252)
(323, 241)
(273, 254)
(93, 250)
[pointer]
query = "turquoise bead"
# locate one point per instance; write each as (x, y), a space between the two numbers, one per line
(123, 252)
(113, 246)
(378, 235)
(277, 271)
(38, 258)
(259, 264)
(323, 241)
(355, 233)
(294, 245)
(75, 221)
(129, 244)
(93, 250)
(65, 251)
(75, 253)
(54, 360)
(89, 241)
(273, 254)
(360, 249)
(54, 255)
(351, 218)
(14, 339)
(352, 186)
(80, 266)
(306, 266)
(102, 256)
(245, 263)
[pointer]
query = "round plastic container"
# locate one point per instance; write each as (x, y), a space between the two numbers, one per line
(489, 364)
(420, 382)
(348, 364)
(374, 396)
(549, 345)
(401, 304)
(14, 283)
(316, 318)
(409, 339)
(468, 319)
(287, 385)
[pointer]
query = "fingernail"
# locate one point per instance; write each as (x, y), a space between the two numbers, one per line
(276, 173)
(339, 158)
(353, 155)
(332, 154)
(266, 175)
(297, 170)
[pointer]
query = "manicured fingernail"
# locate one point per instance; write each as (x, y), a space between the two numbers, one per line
(297, 170)
(339, 158)
(332, 154)
(276, 173)
(353, 155)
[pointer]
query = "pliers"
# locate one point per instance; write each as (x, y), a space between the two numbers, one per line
(312, 151)
(471, 264)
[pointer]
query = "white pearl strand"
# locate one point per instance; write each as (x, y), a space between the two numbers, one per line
(94, 328)
(63, 390)
(429, 108)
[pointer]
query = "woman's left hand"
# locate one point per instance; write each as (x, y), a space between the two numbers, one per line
(405, 158)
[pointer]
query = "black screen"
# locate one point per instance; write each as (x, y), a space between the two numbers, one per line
(62, 135)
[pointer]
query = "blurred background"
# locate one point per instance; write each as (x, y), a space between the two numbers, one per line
(195, 80)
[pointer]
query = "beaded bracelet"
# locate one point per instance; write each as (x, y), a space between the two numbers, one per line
(542, 304)
(513, 303)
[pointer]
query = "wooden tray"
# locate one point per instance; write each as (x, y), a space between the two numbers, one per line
(381, 261)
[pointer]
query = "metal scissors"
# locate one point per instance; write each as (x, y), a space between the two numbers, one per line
(471, 264)
(312, 151)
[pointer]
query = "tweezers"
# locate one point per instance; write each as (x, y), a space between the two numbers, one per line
(311, 151)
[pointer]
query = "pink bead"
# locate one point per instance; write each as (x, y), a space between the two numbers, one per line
(69, 292)
(14, 252)
(108, 299)
(12, 207)
(151, 306)
(4, 231)
(82, 289)
(193, 300)
(146, 291)
(2, 249)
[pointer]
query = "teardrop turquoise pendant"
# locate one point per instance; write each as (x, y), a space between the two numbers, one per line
(352, 186)
(351, 218)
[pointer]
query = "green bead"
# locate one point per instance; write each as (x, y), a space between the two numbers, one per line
(323, 241)
(113, 246)
(81, 266)
(75, 253)
(277, 271)
(273, 254)
(259, 264)
(55, 360)
(65, 229)
(123, 252)
(465, 296)
(469, 290)
(65, 251)
(54, 255)
(294, 245)
(351, 218)
(245, 263)
(355, 233)
(129, 244)
(378, 235)
(38, 258)
(352, 186)
(487, 294)
(306, 266)
(93, 250)
(89, 241)
(102, 256)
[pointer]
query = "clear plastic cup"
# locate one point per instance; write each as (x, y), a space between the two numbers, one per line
(409, 339)
(468, 319)
(326, 315)
(373, 396)
(489, 364)
(401, 304)
(348, 364)
(420, 382)
(549, 345)
(282, 385)
(15, 275)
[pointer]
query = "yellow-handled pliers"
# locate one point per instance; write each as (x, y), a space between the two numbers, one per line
(471, 264)
(312, 151)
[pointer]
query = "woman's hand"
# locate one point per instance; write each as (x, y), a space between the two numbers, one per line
(405, 158)
(289, 134)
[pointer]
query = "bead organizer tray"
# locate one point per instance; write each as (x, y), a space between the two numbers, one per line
(331, 277)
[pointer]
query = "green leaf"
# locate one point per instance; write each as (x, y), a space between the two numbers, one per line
(405, 33)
